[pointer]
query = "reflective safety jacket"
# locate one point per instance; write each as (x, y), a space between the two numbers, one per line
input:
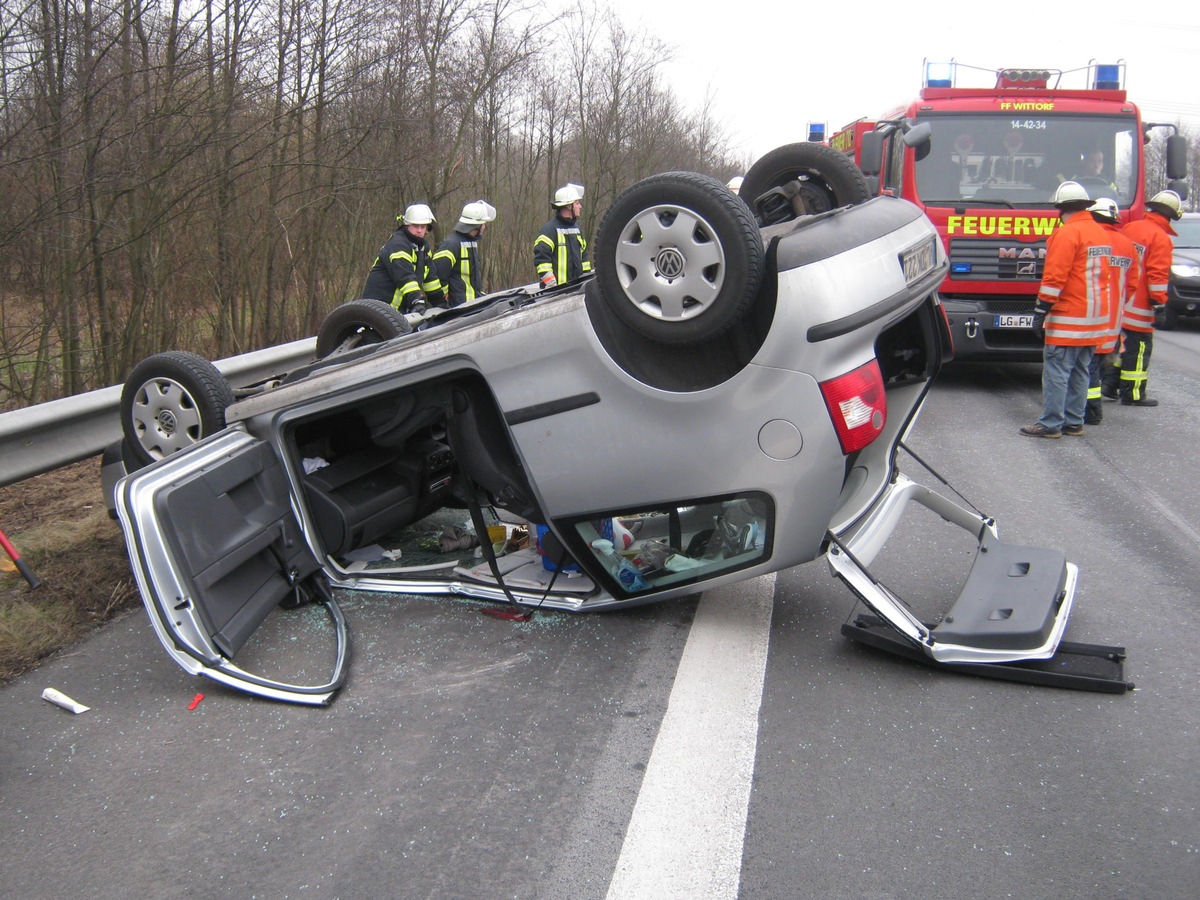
(403, 273)
(1152, 238)
(459, 267)
(1123, 247)
(1085, 274)
(560, 250)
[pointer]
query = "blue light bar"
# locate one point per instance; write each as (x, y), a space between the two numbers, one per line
(960, 269)
(939, 75)
(816, 131)
(1108, 78)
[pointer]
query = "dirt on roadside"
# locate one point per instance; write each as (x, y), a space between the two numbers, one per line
(59, 525)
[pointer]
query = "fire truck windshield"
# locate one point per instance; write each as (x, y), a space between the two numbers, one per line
(1018, 160)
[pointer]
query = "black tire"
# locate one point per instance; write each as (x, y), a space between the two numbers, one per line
(170, 401)
(824, 179)
(679, 259)
(357, 323)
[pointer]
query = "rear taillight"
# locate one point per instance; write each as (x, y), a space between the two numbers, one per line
(857, 405)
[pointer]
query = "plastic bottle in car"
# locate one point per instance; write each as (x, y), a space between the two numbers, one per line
(621, 568)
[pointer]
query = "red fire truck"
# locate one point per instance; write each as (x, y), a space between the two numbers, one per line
(983, 162)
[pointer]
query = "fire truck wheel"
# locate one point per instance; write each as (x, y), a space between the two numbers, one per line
(679, 259)
(798, 179)
(359, 322)
(170, 401)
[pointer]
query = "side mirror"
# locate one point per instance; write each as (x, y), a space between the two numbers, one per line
(871, 154)
(1177, 153)
(1179, 187)
(918, 134)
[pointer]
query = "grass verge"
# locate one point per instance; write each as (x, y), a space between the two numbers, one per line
(59, 525)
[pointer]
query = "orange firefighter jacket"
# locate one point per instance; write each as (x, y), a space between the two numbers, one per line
(1152, 238)
(1127, 277)
(1087, 269)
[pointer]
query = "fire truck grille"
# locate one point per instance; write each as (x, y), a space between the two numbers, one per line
(975, 259)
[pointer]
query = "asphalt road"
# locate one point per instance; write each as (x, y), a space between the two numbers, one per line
(728, 745)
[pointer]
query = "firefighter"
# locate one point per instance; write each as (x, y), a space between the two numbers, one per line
(559, 251)
(403, 273)
(1152, 237)
(1105, 211)
(1081, 279)
(457, 260)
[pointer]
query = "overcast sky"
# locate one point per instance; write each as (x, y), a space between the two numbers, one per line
(773, 65)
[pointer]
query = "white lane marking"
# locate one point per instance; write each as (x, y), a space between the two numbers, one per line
(689, 823)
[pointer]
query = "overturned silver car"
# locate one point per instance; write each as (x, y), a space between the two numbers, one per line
(723, 399)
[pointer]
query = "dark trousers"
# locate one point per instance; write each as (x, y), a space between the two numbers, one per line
(1097, 370)
(1128, 378)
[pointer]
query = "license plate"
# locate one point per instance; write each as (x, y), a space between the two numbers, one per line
(1014, 321)
(918, 260)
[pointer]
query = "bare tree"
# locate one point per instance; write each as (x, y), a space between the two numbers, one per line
(216, 175)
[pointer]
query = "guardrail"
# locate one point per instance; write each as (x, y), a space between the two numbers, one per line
(51, 435)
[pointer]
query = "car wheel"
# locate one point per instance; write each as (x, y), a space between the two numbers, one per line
(170, 401)
(1170, 319)
(800, 179)
(679, 259)
(357, 323)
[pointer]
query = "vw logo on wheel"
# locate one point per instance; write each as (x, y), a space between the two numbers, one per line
(669, 263)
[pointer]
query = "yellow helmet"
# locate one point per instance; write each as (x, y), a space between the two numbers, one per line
(1166, 203)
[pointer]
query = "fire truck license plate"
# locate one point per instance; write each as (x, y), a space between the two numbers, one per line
(1014, 321)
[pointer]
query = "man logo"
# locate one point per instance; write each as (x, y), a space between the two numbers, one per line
(1028, 259)
(1023, 261)
(1026, 252)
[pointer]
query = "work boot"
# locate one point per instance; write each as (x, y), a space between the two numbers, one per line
(1073, 430)
(1092, 419)
(1037, 429)
(1145, 401)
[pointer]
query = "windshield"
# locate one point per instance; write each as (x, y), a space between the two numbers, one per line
(1009, 161)
(1188, 231)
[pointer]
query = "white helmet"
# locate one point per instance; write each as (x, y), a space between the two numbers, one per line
(568, 194)
(1070, 192)
(476, 213)
(1105, 208)
(418, 214)
(1166, 203)
(735, 183)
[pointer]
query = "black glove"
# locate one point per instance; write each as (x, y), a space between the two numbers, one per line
(1040, 311)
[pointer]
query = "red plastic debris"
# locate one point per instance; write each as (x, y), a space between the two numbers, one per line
(509, 614)
(195, 701)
